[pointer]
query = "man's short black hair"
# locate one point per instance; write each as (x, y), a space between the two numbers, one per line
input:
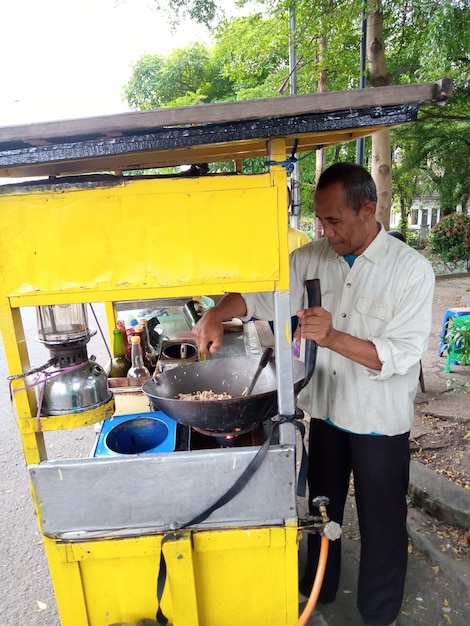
(357, 182)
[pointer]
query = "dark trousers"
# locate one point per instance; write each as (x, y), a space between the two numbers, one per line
(380, 467)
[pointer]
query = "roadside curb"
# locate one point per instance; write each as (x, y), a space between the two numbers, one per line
(430, 543)
(439, 496)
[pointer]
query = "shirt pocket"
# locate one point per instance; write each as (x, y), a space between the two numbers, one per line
(377, 312)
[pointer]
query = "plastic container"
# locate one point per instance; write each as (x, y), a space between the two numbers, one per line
(138, 433)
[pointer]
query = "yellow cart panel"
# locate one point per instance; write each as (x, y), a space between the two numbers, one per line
(177, 236)
(214, 578)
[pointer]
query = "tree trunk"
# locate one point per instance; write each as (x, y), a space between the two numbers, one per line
(321, 153)
(403, 225)
(381, 166)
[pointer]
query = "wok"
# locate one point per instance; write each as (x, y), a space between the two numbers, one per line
(231, 375)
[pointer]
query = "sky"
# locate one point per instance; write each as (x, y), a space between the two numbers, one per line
(66, 59)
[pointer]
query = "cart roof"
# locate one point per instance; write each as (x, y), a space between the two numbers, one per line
(209, 132)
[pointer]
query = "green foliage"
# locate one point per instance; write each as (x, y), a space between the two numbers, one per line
(450, 238)
(434, 154)
(413, 239)
(190, 75)
(251, 49)
(424, 41)
(201, 11)
(140, 91)
(459, 337)
(457, 341)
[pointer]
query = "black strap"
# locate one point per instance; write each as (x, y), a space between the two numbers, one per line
(303, 471)
(234, 490)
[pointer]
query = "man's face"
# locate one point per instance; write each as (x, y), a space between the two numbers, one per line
(347, 231)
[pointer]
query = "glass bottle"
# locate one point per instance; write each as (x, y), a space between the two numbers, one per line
(127, 347)
(137, 369)
(149, 349)
(139, 332)
(119, 364)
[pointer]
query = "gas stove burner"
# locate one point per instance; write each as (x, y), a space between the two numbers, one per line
(226, 435)
(250, 436)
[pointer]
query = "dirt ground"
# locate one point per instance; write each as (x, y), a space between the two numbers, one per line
(443, 446)
(440, 437)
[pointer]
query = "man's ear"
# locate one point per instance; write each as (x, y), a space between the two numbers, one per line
(369, 207)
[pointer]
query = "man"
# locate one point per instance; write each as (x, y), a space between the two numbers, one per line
(372, 329)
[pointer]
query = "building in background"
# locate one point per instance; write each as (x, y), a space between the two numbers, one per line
(424, 215)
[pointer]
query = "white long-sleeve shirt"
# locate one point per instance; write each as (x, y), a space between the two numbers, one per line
(385, 297)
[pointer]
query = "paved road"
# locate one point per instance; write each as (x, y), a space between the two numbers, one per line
(26, 594)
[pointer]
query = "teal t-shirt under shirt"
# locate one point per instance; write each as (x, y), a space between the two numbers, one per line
(350, 258)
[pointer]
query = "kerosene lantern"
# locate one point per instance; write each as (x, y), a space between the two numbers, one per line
(74, 383)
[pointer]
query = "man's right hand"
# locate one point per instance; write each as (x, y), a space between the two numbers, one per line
(209, 331)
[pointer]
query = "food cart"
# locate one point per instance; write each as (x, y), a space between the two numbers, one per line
(92, 225)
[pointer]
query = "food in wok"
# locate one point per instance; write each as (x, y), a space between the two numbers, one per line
(228, 376)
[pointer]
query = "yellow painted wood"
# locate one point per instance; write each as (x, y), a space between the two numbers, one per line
(119, 579)
(277, 153)
(111, 319)
(215, 578)
(17, 360)
(148, 237)
(179, 554)
(78, 420)
(67, 582)
(253, 577)
(24, 406)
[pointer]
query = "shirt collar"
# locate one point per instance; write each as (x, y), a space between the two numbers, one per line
(375, 249)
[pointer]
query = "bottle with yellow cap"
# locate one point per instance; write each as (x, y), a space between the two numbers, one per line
(137, 369)
(139, 332)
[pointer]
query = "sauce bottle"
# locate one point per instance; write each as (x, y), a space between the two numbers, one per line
(139, 332)
(137, 369)
(119, 364)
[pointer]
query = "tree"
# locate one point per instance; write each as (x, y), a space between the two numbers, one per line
(424, 41)
(429, 41)
(436, 150)
(201, 11)
(381, 160)
(252, 52)
(190, 75)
